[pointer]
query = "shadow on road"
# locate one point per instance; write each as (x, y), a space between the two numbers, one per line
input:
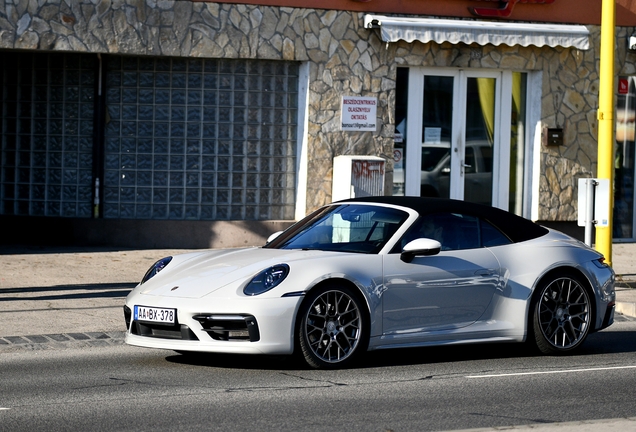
(606, 342)
(48, 249)
(68, 292)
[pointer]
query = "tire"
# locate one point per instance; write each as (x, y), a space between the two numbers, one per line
(562, 314)
(332, 328)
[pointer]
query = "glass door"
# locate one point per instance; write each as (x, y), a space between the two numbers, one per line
(458, 137)
(437, 135)
(459, 119)
(479, 125)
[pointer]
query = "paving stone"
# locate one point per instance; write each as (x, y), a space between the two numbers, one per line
(16, 339)
(78, 336)
(98, 335)
(37, 339)
(58, 337)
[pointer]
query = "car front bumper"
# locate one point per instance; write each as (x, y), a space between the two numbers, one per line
(240, 326)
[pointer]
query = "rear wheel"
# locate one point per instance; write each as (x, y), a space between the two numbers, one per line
(562, 314)
(333, 329)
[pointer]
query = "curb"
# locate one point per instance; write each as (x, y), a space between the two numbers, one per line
(61, 340)
(615, 424)
(627, 284)
(626, 308)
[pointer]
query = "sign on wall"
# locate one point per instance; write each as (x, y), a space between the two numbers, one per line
(359, 113)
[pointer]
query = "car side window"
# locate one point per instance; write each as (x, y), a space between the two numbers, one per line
(456, 231)
(465, 232)
(491, 236)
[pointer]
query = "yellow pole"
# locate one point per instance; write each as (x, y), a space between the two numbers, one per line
(606, 121)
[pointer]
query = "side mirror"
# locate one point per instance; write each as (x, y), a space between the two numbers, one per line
(420, 247)
(273, 236)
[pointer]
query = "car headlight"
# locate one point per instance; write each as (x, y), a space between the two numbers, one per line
(156, 268)
(266, 280)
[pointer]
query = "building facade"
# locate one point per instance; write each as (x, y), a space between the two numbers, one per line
(210, 124)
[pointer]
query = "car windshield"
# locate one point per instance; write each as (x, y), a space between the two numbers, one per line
(344, 228)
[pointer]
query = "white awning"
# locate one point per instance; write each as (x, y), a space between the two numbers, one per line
(426, 30)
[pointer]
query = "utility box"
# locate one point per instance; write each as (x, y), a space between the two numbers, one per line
(553, 136)
(357, 176)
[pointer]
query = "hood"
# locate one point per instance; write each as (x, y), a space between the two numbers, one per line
(198, 274)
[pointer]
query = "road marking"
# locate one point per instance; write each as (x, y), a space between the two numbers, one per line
(2, 409)
(552, 372)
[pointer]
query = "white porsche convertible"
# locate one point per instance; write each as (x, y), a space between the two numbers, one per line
(376, 273)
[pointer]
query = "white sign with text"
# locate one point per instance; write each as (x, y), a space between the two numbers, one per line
(359, 113)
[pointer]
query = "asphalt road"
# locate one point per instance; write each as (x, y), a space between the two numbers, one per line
(63, 366)
(117, 387)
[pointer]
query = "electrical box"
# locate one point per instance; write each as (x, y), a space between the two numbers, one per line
(553, 136)
(357, 176)
(600, 204)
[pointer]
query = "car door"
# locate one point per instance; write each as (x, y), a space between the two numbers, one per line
(446, 291)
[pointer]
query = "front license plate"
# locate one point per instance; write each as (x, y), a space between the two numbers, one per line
(158, 315)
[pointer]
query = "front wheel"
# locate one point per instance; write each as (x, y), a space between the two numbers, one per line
(562, 314)
(333, 329)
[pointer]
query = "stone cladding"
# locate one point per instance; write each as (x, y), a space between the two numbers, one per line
(344, 59)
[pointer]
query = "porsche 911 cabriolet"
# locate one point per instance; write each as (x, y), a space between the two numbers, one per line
(377, 273)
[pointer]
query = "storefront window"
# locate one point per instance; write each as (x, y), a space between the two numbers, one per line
(623, 223)
(399, 147)
(46, 134)
(459, 142)
(200, 139)
(517, 141)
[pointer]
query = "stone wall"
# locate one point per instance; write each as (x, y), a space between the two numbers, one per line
(344, 59)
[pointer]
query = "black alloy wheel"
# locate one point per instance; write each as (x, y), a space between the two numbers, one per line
(562, 314)
(333, 327)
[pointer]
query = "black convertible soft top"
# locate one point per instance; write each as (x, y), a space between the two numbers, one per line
(517, 229)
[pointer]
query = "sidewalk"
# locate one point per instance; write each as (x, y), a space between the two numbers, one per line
(59, 295)
(68, 291)
(624, 264)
